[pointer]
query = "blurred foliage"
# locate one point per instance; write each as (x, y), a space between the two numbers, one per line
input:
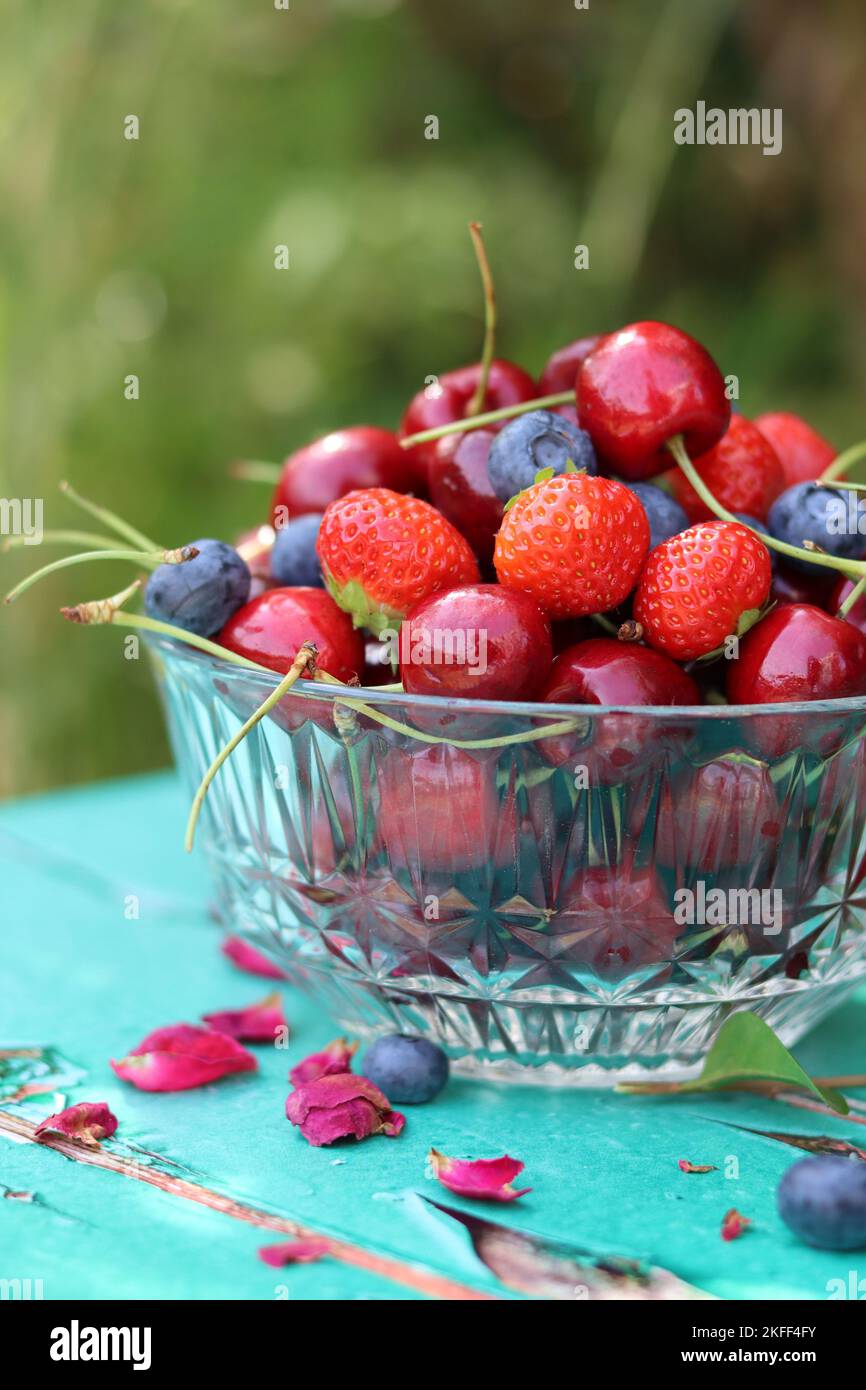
(261, 126)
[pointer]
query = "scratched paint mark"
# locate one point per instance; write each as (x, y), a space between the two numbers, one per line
(34, 1071)
(549, 1269)
(425, 1281)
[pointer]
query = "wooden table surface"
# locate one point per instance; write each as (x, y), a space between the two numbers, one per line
(177, 1204)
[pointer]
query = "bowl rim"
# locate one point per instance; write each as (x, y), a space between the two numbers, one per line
(319, 694)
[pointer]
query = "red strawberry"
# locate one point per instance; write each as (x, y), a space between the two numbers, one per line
(575, 543)
(742, 471)
(702, 586)
(803, 452)
(383, 552)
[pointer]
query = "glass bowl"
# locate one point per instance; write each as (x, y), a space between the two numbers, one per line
(552, 893)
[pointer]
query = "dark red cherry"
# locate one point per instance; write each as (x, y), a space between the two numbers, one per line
(803, 452)
(643, 385)
(479, 641)
(460, 489)
(440, 814)
(616, 921)
(716, 817)
(318, 474)
(604, 671)
(446, 400)
(569, 631)
(798, 652)
(270, 629)
(561, 368)
(790, 586)
(839, 592)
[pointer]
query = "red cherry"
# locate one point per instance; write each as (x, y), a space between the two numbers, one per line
(570, 631)
(561, 369)
(606, 672)
(791, 586)
(716, 817)
(446, 400)
(439, 813)
(460, 488)
(615, 920)
(840, 591)
(803, 452)
(318, 474)
(270, 629)
(797, 653)
(741, 470)
(643, 385)
(478, 641)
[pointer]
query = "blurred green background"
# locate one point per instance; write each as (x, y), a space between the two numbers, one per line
(306, 126)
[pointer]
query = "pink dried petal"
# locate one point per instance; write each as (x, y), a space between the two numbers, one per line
(182, 1056)
(247, 958)
(488, 1179)
(686, 1167)
(89, 1121)
(337, 1106)
(333, 1060)
(294, 1252)
(259, 1022)
(734, 1224)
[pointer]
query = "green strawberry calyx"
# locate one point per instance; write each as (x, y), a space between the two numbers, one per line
(364, 611)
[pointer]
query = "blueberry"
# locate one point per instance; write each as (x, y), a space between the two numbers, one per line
(823, 1200)
(409, 1070)
(294, 561)
(665, 515)
(199, 595)
(764, 530)
(532, 442)
(832, 518)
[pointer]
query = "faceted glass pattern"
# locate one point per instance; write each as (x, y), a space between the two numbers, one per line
(559, 894)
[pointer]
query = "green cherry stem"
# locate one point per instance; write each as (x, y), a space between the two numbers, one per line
(100, 610)
(848, 603)
(305, 657)
(853, 568)
(177, 634)
(88, 538)
(255, 471)
(844, 461)
(138, 557)
(479, 395)
(113, 522)
(490, 417)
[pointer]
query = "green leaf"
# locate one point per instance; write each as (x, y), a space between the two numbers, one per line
(747, 1051)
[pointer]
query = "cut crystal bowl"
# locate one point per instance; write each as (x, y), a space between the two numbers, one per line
(557, 893)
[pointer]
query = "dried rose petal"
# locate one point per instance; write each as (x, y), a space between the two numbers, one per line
(686, 1167)
(249, 959)
(734, 1224)
(294, 1252)
(335, 1107)
(333, 1060)
(486, 1178)
(182, 1056)
(89, 1121)
(259, 1022)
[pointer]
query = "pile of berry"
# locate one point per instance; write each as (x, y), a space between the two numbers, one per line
(601, 537)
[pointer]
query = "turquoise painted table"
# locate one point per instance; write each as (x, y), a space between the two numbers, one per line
(178, 1203)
